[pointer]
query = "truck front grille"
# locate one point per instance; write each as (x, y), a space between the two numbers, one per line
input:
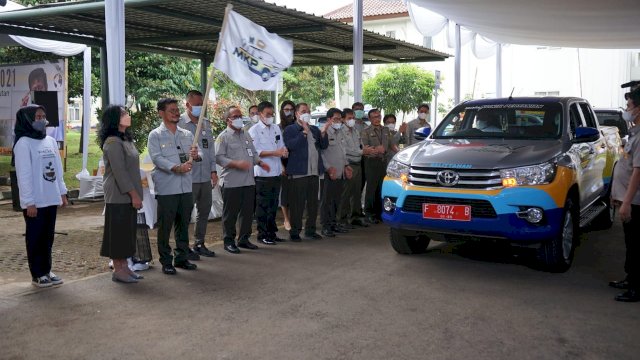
(468, 178)
(479, 208)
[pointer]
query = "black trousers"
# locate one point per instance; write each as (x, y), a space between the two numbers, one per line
(39, 239)
(174, 211)
(303, 194)
(331, 194)
(267, 192)
(632, 241)
(238, 205)
(376, 170)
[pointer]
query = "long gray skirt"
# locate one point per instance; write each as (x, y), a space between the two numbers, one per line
(119, 238)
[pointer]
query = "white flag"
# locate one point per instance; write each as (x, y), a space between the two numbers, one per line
(250, 55)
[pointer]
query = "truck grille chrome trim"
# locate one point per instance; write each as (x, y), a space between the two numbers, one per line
(468, 179)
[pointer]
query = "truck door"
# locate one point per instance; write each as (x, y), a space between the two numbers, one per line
(590, 167)
(598, 158)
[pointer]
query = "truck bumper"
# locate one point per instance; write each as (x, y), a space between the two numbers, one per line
(502, 224)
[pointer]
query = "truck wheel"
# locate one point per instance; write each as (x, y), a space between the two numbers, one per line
(404, 244)
(556, 254)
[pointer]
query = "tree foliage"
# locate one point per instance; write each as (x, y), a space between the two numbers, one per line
(311, 84)
(399, 88)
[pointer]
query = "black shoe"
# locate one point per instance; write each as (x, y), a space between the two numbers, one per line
(186, 265)
(169, 269)
(232, 249)
(202, 250)
(295, 238)
(267, 241)
(620, 284)
(327, 233)
(631, 295)
(277, 239)
(193, 256)
(372, 220)
(247, 245)
(359, 222)
(339, 229)
(346, 226)
(314, 236)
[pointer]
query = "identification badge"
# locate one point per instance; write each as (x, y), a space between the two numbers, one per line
(205, 143)
(249, 152)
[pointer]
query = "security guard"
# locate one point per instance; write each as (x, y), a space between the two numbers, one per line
(268, 141)
(377, 141)
(169, 148)
(337, 170)
(236, 155)
(350, 211)
(203, 173)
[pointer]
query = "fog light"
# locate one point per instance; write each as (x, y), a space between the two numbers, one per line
(533, 215)
(389, 204)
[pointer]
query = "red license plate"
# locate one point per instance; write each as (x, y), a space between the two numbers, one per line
(446, 212)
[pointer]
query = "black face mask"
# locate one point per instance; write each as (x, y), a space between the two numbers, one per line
(40, 125)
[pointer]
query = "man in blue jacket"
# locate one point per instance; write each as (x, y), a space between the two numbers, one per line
(303, 168)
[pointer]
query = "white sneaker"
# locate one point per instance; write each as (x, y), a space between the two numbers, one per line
(140, 266)
(55, 279)
(41, 282)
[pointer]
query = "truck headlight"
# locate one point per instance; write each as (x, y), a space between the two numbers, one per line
(398, 170)
(529, 175)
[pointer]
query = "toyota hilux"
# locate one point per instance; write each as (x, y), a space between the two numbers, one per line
(531, 172)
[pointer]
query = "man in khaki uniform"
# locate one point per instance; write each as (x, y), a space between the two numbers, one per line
(350, 212)
(377, 141)
(415, 124)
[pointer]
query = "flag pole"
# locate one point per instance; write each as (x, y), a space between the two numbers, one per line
(210, 81)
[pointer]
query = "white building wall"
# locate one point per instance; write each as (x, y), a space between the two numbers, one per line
(595, 74)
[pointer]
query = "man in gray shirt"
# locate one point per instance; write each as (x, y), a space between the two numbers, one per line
(350, 211)
(170, 148)
(203, 173)
(415, 124)
(236, 156)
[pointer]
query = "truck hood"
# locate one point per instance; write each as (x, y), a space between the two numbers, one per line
(484, 153)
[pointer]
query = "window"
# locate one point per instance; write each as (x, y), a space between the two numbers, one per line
(427, 41)
(575, 121)
(588, 115)
(74, 112)
(391, 33)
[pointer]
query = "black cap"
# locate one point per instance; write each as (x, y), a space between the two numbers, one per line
(632, 83)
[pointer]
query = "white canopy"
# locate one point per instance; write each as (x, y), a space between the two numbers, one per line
(562, 23)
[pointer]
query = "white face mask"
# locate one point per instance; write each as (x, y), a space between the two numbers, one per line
(336, 126)
(268, 121)
(391, 127)
(237, 123)
(422, 116)
(627, 116)
(305, 117)
(351, 123)
(287, 113)
(255, 118)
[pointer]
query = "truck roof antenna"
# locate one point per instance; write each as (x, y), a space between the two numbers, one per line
(511, 95)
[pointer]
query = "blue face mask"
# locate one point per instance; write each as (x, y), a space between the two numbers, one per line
(195, 110)
(39, 125)
(359, 114)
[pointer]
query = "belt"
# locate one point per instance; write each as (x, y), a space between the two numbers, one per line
(354, 162)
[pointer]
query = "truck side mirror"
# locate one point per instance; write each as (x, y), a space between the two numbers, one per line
(422, 133)
(586, 134)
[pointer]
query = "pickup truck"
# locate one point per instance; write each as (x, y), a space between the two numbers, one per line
(539, 174)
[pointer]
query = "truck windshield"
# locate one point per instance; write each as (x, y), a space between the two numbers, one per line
(507, 121)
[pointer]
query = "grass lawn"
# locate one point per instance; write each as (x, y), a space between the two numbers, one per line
(74, 159)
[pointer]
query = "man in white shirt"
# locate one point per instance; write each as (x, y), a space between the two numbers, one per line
(269, 144)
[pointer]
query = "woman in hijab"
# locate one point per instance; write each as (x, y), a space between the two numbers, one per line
(42, 189)
(122, 191)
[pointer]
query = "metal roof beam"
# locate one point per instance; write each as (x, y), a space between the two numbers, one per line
(182, 15)
(50, 35)
(172, 39)
(170, 52)
(316, 45)
(380, 57)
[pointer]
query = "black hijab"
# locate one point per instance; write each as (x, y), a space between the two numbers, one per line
(24, 125)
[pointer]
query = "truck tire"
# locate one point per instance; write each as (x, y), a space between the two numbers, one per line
(406, 245)
(556, 254)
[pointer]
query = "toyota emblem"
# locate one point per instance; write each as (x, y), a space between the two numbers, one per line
(447, 178)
